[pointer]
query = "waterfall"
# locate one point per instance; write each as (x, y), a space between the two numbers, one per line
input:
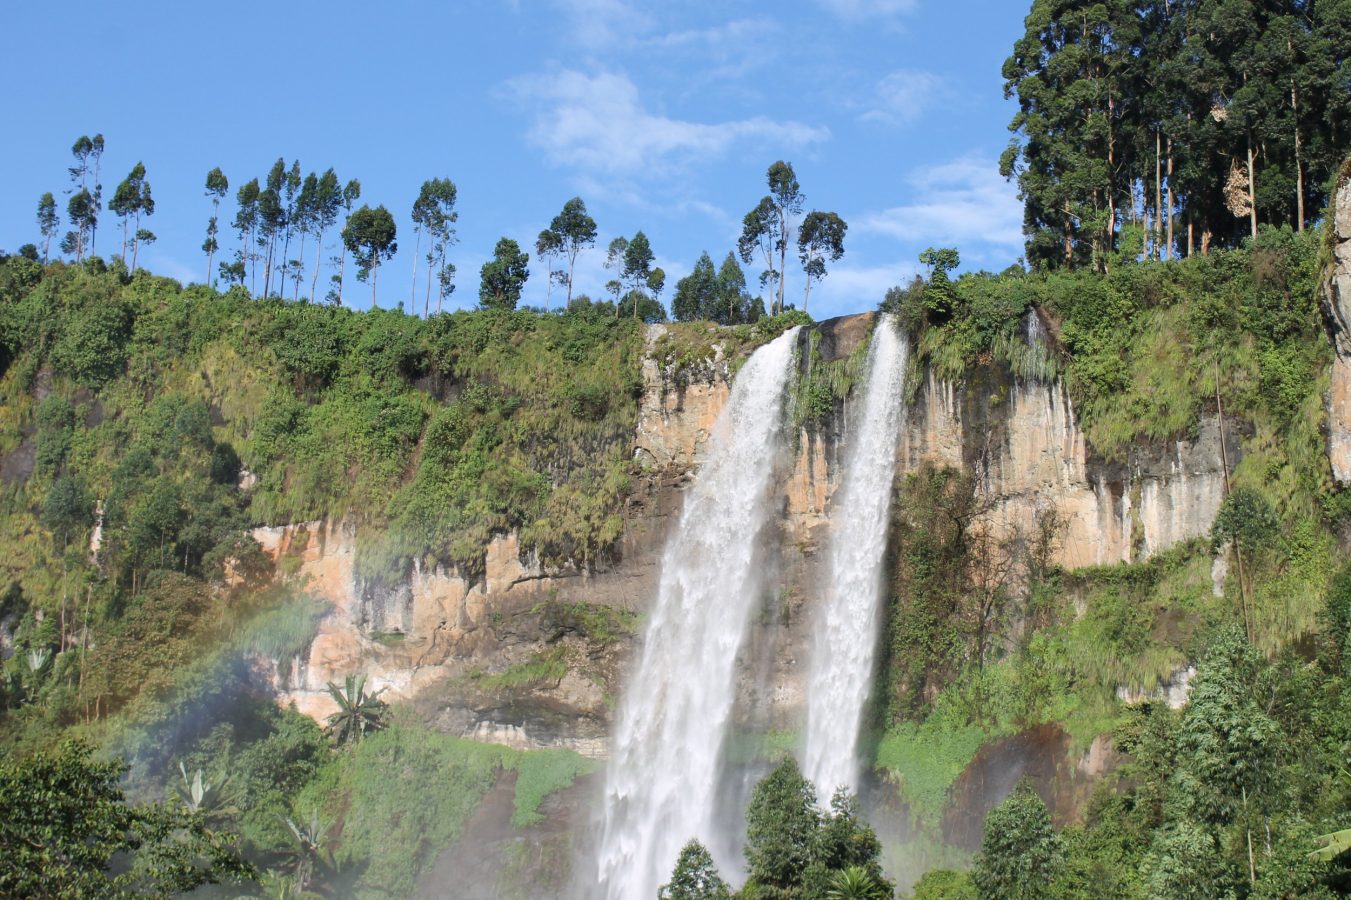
(660, 788)
(844, 639)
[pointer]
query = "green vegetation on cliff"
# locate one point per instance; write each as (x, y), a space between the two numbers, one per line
(989, 640)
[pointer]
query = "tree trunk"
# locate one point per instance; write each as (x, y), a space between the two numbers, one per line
(412, 290)
(572, 264)
(1299, 164)
(783, 253)
(1168, 246)
(267, 269)
(318, 256)
(300, 275)
(427, 303)
(1158, 195)
(1110, 237)
(1252, 189)
(135, 242)
(375, 269)
(285, 252)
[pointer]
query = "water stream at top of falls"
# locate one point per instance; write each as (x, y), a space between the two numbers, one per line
(844, 639)
(662, 779)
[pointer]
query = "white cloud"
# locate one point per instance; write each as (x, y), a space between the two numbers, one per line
(847, 289)
(599, 123)
(868, 9)
(904, 94)
(958, 203)
(604, 24)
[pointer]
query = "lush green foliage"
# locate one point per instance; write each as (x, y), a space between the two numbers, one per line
(1199, 118)
(793, 849)
(68, 831)
(695, 877)
(1020, 851)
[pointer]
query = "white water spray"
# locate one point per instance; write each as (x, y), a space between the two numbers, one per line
(844, 641)
(660, 788)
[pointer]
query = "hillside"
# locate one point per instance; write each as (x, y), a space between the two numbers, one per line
(1113, 490)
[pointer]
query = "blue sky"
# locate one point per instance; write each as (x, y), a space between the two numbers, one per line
(662, 116)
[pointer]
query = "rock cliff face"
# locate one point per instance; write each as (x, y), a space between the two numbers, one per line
(516, 656)
(1337, 314)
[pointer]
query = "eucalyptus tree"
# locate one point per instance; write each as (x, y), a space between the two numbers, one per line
(638, 271)
(434, 211)
(306, 215)
(614, 261)
(246, 223)
(291, 187)
(130, 201)
(370, 237)
(216, 186)
(768, 227)
(82, 211)
(351, 193)
(325, 204)
(819, 238)
(85, 202)
(576, 231)
(504, 276)
(758, 236)
(549, 247)
(271, 218)
(441, 227)
(48, 222)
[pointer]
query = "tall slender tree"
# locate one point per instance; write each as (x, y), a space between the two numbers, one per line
(246, 223)
(351, 193)
(48, 223)
(759, 233)
(638, 270)
(577, 232)
(326, 204)
(436, 205)
(614, 261)
(819, 239)
(271, 219)
(130, 201)
(291, 190)
(549, 247)
(216, 187)
(306, 217)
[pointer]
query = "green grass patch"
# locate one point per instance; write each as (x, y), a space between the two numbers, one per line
(402, 796)
(540, 773)
(543, 667)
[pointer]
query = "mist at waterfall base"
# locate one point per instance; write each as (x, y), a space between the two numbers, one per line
(845, 633)
(662, 781)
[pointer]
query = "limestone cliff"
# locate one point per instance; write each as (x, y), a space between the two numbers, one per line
(531, 656)
(1337, 314)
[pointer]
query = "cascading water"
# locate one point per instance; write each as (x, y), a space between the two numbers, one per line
(660, 787)
(845, 637)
